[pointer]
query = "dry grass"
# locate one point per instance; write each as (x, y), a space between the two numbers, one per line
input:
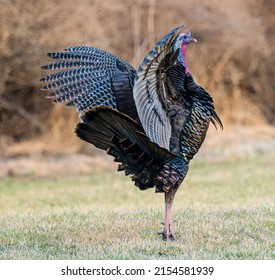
(233, 60)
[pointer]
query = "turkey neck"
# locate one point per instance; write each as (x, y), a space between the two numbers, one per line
(182, 57)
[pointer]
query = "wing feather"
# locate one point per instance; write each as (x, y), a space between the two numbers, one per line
(150, 90)
(87, 77)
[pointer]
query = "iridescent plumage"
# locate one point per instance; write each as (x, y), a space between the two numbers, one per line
(152, 121)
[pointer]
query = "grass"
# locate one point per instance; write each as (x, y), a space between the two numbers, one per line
(224, 210)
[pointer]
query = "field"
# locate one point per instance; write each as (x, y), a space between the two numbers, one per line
(61, 199)
(224, 210)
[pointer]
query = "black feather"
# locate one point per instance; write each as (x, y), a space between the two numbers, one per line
(123, 138)
(130, 113)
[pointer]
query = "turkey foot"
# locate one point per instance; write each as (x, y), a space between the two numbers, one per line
(168, 231)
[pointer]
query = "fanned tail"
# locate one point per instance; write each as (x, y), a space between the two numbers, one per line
(123, 138)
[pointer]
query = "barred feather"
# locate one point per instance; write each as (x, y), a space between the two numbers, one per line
(77, 89)
(172, 112)
(70, 83)
(150, 90)
(88, 99)
(77, 74)
(95, 52)
(71, 55)
(67, 64)
(87, 78)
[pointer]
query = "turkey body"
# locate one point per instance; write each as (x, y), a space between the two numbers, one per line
(152, 121)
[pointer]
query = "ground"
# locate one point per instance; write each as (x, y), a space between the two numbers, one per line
(223, 210)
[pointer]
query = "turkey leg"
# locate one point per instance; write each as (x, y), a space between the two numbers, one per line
(168, 231)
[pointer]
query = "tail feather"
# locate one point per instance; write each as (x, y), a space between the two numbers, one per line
(216, 119)
(123, 138)
(100, 139)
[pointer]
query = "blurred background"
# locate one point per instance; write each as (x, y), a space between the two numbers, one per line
(234, 60)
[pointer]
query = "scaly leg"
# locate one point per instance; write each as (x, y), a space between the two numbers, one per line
(168, 231)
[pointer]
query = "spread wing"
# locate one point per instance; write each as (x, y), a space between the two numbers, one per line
(152, 88)
(88, 77)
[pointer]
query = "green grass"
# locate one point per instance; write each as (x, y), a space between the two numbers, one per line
(223, 210)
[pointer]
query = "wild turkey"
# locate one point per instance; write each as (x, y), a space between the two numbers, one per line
(152, 121)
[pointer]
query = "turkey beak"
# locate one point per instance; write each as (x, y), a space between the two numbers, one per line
(192, 38)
